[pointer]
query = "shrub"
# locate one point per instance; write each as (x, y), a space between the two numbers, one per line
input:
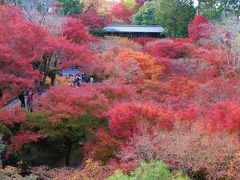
(169, 49)
(92, 171)
(125, 118)
(148, 171)
(199, 28)
(12, 173)
(131, 67)
(189, 149)
(144, 40)
(124, 42)
(103, 147)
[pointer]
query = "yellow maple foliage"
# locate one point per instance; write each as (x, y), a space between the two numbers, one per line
(60, 80)
(92, 171)
(131, 67)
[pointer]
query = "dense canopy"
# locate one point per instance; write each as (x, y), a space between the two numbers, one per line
(142, 108)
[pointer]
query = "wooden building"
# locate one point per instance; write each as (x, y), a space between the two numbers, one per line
(134, 31)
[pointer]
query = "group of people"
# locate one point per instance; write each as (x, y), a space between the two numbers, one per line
(79, 79)
(26, 98)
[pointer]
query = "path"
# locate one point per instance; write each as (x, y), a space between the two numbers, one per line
(15, 103)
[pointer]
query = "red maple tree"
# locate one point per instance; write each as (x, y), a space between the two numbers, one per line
(18, 51)
(199, 28)
(125, 117)
(93, 20)
(121, 12)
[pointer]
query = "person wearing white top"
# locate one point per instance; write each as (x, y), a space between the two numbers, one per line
(91, 80)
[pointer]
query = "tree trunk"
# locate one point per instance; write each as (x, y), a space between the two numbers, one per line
(68, 154)
(46, 67)
(54, 73)
(175, 30)
(199, 7)
(174, 35)
(44, 80)
(53, 78)
(44, 74)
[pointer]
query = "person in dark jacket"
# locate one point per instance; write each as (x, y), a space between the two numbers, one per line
(1, 94)
(84, 77)
(21, 97)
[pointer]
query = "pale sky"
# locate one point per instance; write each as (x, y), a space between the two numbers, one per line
(195, 3)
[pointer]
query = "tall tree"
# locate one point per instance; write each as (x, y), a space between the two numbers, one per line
(146, 14)
(174, 15)
(68, 120)
(93, 20)
(18, 51)
(198, 29)
(30, 49)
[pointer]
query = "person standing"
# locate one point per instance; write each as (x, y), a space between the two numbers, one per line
(70, 80)
(29, 100)
(21, 97)
(79, 82)
(1, 94)
(91, 80)
(84, 77)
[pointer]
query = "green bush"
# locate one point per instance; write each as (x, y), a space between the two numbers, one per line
(149, 171)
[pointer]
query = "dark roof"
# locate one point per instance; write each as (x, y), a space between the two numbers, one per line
(134, 28)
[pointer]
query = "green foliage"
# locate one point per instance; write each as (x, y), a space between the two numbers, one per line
(70, 7)
(148, 171)
(213, 14)
(98, 32)
(5, 130)
(146, 14)
(175, 15)
(130, 4)
(56, 135)
(71, 129)
(3, 148)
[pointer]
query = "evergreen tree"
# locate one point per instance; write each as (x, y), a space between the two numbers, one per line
(175, 15)
(146, 14)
